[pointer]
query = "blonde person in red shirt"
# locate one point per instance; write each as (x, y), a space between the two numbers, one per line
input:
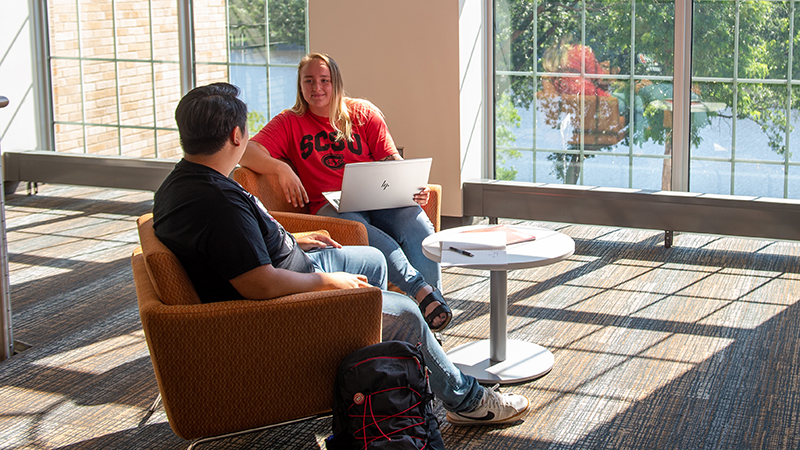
(568, 57)
(319, 135)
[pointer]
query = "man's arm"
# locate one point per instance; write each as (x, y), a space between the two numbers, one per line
(257, 158)
(265, 282)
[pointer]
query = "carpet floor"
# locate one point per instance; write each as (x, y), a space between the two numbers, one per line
(695, 346)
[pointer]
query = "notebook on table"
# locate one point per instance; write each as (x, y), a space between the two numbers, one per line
(512, 236)
(380, 185)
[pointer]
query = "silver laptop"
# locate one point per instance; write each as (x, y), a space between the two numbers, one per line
(379, 185)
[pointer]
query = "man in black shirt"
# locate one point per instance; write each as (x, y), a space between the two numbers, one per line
(226, 240)
(232, 248)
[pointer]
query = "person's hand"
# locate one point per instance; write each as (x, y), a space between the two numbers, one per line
(344, 280)
(292, 186)
(422, 197)
(316, 240)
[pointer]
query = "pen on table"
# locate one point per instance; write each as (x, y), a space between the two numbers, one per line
(463, 252)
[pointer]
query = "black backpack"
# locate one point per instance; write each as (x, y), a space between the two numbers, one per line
(382, 400)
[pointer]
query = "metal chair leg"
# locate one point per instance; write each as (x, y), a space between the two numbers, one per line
(155, 404)
(205, 440)
(150, 411)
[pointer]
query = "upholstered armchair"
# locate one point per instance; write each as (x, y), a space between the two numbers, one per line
(267, 189)
(223, 368)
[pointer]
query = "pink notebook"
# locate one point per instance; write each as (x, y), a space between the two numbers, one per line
(512, 236)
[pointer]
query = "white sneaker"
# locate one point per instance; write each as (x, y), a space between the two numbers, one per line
(495, 408)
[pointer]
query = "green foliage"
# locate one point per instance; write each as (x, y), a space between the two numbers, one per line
(286, 22)
(502, 173)
(506, 117)
(255, 122)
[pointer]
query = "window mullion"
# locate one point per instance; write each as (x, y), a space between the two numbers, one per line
(734, 121)
(582, 102)
(116, 74)
(45, 108)
(268, 56)
(488, 87)
(632, 94)
(80, 71)
(186, 45)
(681, 120)
(787, 125)
(534, 106)
(153, 79)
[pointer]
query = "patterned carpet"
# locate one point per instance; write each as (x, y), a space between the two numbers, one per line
(696, 346)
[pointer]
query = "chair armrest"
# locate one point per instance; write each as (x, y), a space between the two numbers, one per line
(345, 232)
(229, 366)
(266, 189)
(434, 207)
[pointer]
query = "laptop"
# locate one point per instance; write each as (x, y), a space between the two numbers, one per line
(380, 185)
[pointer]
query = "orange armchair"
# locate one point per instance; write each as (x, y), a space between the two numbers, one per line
(267, 189)
(237, 366)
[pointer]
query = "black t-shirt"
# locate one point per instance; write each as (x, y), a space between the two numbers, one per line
(219, 231)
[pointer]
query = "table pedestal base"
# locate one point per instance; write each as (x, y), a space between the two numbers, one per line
(524, 362)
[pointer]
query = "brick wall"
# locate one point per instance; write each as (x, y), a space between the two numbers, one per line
(140, 91)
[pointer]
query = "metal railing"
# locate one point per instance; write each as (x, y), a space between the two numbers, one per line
(7, 338)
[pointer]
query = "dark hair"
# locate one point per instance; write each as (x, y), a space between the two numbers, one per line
(207, 115)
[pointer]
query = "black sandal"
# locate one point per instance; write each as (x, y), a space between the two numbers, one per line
(435, 296)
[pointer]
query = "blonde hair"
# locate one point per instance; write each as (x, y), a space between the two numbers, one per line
(338, 113)
(555, 57)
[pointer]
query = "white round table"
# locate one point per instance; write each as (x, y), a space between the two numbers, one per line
(498, 359)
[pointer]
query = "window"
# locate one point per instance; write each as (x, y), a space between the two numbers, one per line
(265, 41)
(584, 94)
(115, 76)
(115, 67)
(745, 64)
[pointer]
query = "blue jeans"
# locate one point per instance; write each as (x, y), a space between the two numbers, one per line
(402, 321)
(398, 234)
(355, 259)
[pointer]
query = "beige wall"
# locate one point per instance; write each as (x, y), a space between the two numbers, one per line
(404, 57)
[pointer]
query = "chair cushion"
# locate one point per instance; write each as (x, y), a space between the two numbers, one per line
(170, 280)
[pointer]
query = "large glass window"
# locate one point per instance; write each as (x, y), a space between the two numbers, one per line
(258, 51)
(584, 95)
(746, 66)
(115, 80)
(115, 67)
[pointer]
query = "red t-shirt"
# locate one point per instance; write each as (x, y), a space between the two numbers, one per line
(308, 142)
